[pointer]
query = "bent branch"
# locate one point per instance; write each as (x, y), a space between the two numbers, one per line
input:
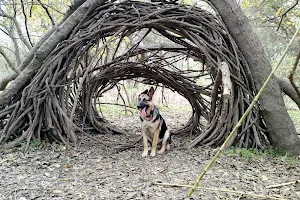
(288, 89)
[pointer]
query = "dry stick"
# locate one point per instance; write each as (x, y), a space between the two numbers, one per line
(243, 117)
(127, 96)
(120, 95)
(222, 190)
(283, 184)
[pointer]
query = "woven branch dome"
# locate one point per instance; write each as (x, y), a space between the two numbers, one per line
(97, 55)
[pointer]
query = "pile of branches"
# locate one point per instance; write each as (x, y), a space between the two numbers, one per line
(62, 97)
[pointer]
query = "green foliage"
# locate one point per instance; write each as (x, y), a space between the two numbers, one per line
(248, 155)
(265, 17)
(245, 154)
(33, 145)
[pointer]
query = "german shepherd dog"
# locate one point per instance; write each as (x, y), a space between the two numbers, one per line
(153, 125)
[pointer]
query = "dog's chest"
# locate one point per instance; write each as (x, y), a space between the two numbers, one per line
(150, 128)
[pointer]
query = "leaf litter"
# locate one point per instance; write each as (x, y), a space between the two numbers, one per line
(91, 171)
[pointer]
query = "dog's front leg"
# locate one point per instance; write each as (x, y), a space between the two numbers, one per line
(154, 143)
(145, 142)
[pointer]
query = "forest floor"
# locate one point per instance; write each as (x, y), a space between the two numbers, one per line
(92, 171)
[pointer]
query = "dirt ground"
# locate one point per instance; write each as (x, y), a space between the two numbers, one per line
(92, 171)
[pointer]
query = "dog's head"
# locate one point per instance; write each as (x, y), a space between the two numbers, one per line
(145, 104)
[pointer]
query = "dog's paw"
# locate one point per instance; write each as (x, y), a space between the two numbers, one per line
(161, 151)
(153, 154)
(145, 154)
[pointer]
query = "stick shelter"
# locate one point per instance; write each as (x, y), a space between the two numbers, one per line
(108, 46)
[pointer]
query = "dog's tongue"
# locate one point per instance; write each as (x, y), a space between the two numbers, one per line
(143, 112)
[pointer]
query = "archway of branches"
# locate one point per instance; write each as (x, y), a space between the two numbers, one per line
(108, 46)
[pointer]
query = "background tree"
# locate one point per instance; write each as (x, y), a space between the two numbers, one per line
(22, 24)
(275, 22)
(281, 129)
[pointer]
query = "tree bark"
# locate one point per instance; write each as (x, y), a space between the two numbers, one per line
(282, 133)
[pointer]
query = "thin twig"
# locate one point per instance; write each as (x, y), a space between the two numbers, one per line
(47, 12)
(285, 13)
(222, 190)
(283, 184)
(25, 21)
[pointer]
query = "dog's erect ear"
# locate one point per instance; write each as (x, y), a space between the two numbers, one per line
(145, 92)
(151, 92)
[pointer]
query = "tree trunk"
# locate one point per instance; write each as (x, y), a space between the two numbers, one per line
(282, 133)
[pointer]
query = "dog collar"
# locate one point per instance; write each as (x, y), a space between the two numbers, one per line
(150, 117)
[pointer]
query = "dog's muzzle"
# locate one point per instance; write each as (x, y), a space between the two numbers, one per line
(142, 108)
(142, 105)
